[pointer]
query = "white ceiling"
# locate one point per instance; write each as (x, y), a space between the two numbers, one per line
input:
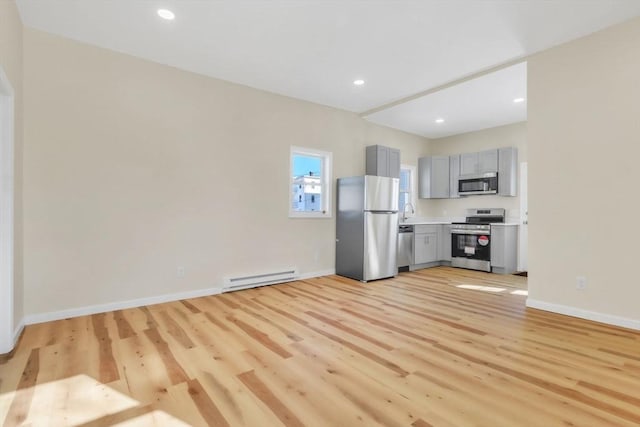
(475, 104)
(314, 49)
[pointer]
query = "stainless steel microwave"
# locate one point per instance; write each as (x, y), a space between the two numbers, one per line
(484, 183)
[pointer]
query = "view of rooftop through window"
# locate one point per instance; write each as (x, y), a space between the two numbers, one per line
(306, 165)
(307, 183)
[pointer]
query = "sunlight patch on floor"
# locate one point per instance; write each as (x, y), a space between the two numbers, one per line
(154, 418)
(482, 288)
(80, 398)
(520, 292)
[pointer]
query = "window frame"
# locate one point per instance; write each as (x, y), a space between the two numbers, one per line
(326, 182)
(413, 190)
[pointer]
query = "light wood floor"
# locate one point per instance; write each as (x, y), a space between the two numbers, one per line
(415, 350)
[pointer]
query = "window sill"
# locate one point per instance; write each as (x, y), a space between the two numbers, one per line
(317, 215)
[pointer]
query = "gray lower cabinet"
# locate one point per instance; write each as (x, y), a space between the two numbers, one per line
(433, 177)
(382, 161)
(432, 247)
(425, 244)
(445, 242)
(504, 248)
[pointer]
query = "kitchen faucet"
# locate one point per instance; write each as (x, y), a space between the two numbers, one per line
(404, 211)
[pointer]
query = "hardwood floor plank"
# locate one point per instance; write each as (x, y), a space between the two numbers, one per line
(144, 374)
(213, 319)
(191, 307)
(421, 423)
(108, 367)
(175, 330)
(548, 386)
(175, 372)
(291, 381)
(257, 387)
(260, 337)
(118, 417)
(378, 359)
(620, 354)
(151, 321)
(124, 328)
(350, 377)
(416, 350)
(292, 336)
(338, 325)
(19, 409)
(205, 405)
(390, 327)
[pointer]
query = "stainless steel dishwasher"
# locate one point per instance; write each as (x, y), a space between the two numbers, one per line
(405, 247)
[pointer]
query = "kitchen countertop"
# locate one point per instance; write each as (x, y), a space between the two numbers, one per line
(441, 221)
(424, 222)
(431, 221)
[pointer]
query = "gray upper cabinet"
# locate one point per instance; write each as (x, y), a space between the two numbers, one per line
(454, 176)
(507, 171)
(394, 163)
(468, 163)
(433, 177)
(382, 161)
(488, 161)
(479, 162)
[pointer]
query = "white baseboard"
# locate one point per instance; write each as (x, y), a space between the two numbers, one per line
(18, 331)
(585, 314)
(120, 305)
(317, 274)
(8, 346)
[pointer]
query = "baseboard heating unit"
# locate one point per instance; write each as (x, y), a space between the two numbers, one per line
(260, 279)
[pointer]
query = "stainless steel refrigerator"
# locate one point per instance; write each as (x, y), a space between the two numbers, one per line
(367, 227)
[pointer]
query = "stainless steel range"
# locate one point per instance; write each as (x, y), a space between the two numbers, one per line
(471, 240)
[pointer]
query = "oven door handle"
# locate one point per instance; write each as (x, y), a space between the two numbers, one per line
(473, 232)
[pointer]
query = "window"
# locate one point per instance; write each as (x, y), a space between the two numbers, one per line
(407, 188)
(310, 183)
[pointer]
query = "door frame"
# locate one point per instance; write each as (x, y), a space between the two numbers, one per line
(523, 230)
(7, 123)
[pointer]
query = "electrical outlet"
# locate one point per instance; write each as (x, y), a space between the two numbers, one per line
(181, 271)
(581, 283)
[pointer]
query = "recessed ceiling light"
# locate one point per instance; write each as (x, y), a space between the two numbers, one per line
(358, 82)
(166, 14)
(439, 120)
(518, 100)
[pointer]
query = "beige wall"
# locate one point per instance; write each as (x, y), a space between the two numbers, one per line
(134, 168)
(11, 62)
(584, 134)
(514, 135)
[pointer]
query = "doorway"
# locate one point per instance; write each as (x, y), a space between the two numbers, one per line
(6, 213)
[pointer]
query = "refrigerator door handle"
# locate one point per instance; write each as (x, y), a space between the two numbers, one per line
(382, 212)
